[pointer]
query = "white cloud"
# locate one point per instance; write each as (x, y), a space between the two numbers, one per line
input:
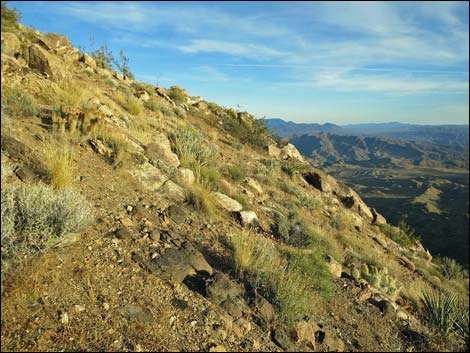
(252, 51)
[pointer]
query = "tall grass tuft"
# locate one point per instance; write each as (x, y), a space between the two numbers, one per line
(60, 164)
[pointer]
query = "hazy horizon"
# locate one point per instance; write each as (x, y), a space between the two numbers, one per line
(320, 62)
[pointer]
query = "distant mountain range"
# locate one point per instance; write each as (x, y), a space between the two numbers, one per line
(456, 135)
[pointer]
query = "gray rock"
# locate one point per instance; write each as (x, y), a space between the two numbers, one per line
(220, 288)
(160, 151)
(172, 191)
(227, 203)
(135, 313)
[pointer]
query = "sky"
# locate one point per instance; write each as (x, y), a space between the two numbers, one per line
(318, 62)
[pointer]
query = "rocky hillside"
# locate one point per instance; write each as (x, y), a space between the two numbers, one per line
(139, 218)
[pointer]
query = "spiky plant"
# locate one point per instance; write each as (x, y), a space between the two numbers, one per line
(440, 309)
(356, 273)
(365, 269)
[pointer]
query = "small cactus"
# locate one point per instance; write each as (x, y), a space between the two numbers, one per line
(356, 273)
(365, 269)
(376, 280)
(385, 271)
(385, 280)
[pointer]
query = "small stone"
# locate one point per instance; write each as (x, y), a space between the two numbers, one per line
(79, 308)
(155, 235)
(129, 208)
(218, 348)
(122, 233)
(64, 318)
(106, 306)
(126, 221)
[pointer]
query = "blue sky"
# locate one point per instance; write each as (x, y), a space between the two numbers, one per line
(338, 62)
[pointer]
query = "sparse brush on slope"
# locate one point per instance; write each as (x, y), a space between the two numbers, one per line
(258, 262)
(35, 216)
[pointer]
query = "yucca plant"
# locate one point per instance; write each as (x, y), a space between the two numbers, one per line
(461, 324)
(440, 309)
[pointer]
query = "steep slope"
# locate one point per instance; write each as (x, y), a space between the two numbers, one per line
(203, 234)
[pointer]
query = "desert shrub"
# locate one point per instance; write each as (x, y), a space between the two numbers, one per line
(177, 94)
(10, 17)
(60, 164)
(293, 167)
(7, 170)
(405, 236)
(133, 105)
(440, 310)
(34, 217)
(141, 86)
(208, 176)
(288, 187)
(118, 145)
(66, 93)
(292, 229)
(308, 202)
(18, 103)
(152, 105)
(254, 133)
(313, 266)
(259, 263)
(450, 268)
(242, 200)
(270, 165)
(200, 198)
(191, 148)
(237, 173)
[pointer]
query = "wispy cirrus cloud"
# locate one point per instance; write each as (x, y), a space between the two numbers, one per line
(394, 48)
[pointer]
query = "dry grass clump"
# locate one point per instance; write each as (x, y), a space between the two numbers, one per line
(128, 102)
(59, 161)
(68, 93)
(6, 170)
(258, 262)
(118, 145)
(34, 217)
(16, 102)
(200, 198)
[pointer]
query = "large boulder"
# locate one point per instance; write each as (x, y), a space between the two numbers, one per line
(377, 217)
(248, 218)
(185, 176)
(172, 191)
(55, 42)
(289, 151)
(38, 60)
(149, 176)
(254, 185)
(352, 201)
(273, 151)
(11, 45)
(88, 60)
(160, 151)
(334, 266)
(321, 181)
(227, 203)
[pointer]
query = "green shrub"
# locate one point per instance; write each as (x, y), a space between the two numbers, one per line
(293, 167)
(18, 103)
(270, 165)
(237, 173)
(34, 217)
(450, 268)
(10, 17)
(308, 202)
(405, 236)
(259, 263)
(242, 200)
(291, 229)
(313, 267)
(254, 133)
(191, 148)
(152, 105)
(177, 94)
